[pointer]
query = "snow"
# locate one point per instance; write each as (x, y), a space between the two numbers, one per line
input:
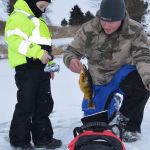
(62, 41)
(2, 40)
(66, 6)
(147, 18)
(56, 11)
(67, 109)
(67, 97)
(3, 10)
(65, 89)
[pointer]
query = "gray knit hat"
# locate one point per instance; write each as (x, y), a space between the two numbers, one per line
(112, 10)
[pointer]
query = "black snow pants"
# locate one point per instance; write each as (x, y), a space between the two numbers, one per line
(34, 105)
(135, 98)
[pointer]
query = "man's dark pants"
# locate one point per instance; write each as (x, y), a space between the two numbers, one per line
(135, 98)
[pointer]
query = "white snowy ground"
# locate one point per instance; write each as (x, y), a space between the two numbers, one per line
(2, 40)
(67, 110)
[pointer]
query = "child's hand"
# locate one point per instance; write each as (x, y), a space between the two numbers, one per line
(45, 58)
(52, 75)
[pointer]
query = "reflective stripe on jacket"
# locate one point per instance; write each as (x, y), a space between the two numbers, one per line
(24, 33)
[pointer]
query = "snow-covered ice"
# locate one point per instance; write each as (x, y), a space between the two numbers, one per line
(67, 110)
(2, 40)
(62, 41)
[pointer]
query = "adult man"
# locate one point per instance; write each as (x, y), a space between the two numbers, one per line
(113, 43)
(29, 48)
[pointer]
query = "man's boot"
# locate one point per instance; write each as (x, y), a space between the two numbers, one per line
(128, 135)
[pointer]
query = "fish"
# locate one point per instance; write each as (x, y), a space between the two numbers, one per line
(85, 82)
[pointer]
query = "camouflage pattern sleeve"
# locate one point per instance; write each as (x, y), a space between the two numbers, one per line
(140, 51)
(76, 48)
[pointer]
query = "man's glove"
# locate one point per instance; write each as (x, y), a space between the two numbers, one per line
(85, 82)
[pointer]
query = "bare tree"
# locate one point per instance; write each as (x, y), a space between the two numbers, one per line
(136, 9)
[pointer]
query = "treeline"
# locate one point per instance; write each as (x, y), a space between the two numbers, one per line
(135, 8)
(77, 17)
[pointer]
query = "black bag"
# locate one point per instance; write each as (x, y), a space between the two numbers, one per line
(96, 136)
